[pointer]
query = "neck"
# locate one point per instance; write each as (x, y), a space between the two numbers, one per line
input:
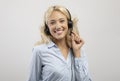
(61, 43)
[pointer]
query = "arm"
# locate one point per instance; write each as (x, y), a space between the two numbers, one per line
(81, 68)
(35, 66)
(80, 61)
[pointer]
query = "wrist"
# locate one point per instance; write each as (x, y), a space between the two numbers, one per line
(76, 54)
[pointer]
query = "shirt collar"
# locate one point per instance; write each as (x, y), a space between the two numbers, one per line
(51, 44)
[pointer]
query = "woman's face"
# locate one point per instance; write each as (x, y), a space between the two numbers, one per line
(58, 25)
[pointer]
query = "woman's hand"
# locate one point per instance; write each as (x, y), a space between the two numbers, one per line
(77, 43)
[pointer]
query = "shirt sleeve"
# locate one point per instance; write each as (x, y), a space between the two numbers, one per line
(81, 68)
(35, 66)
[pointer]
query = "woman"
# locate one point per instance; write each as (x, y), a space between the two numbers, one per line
(59, 56)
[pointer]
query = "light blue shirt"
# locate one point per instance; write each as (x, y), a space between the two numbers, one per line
(48, 64)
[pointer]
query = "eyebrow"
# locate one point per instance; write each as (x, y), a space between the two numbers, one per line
(51, 20)
(58, 19)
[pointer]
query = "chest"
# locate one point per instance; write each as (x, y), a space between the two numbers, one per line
(54, 63)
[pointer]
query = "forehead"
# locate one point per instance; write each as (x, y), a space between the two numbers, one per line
(55, 15)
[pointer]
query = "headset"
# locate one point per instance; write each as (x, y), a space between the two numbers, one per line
(70, 24)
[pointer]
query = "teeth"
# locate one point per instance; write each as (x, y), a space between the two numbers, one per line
(59, 32)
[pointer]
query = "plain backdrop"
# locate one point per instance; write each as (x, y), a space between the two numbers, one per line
(99, 26)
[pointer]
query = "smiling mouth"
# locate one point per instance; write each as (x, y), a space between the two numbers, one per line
(58, 32)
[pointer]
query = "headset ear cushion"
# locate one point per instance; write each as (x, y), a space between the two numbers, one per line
(47, 30)
(70, 24)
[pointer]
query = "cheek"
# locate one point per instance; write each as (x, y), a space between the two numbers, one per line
(66, 25)
(51, 29)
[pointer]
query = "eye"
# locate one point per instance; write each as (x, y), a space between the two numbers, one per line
(62, 21)
(52, 22)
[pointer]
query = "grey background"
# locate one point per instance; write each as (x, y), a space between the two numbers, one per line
(99, 26)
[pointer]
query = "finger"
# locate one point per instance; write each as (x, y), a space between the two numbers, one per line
(72, 36)
(81, 42)
(75, 34)
(77, 39)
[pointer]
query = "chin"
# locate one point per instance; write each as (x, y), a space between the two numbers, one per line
(59, 37)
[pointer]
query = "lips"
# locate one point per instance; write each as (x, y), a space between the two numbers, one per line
(58, 32)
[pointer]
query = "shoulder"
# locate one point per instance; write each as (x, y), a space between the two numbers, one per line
(37, 51)
(39, 48)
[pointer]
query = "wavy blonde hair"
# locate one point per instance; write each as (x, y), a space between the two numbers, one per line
(47, 38)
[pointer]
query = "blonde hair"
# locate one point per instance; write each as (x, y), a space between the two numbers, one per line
(47, 38)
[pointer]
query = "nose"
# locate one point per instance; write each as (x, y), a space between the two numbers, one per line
(57, 26)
